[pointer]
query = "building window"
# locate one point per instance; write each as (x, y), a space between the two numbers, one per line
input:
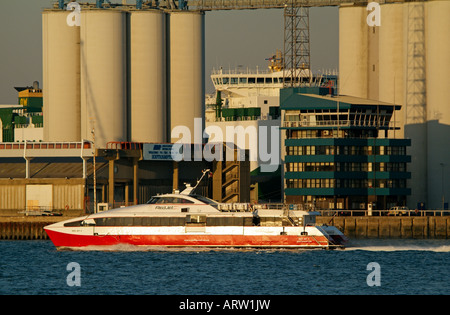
(291, 117)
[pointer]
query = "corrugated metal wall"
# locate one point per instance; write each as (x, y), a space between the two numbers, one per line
(66, 192)
(12, 197)
(68, 195)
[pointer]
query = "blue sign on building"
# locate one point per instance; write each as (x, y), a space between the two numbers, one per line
(157, 152)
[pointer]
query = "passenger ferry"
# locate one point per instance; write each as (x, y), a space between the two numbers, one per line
(189, 220)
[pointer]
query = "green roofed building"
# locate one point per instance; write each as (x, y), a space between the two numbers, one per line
(338, 154)
(23, 121)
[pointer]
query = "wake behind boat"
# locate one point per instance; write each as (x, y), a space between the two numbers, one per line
(189, 220)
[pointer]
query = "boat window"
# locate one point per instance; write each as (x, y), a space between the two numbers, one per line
(154, 200)
(268, 80)
(165, 200)
(225, 80)
(141, 221)
(251, 80)
(86, 222)
(231, 221)
(181, 200)
(205, 200)
(74, 223)
(234, 80)
(242, 80)
(259, 80)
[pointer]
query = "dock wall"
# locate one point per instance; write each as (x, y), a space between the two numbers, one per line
(26, 228)
(391, 227)
(15, 230)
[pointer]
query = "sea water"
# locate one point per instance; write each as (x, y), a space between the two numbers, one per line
(364, 267)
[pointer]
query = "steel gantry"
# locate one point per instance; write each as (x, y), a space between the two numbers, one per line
(211, 5)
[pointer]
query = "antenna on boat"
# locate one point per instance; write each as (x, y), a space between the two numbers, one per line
(190, 189)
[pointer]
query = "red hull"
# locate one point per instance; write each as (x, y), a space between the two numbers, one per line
(72, 240)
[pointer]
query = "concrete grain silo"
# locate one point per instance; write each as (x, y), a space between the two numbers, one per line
(148, 76)
(187, 64)
(61, 77)
(438, 101)
(103, 75)
(353, 51)
(391, 61)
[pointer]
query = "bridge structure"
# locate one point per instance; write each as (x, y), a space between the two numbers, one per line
(213, 5)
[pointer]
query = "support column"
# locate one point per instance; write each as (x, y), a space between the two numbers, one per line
(111, 183)
(175, 176)
(84, 168)
(27, 168)
(135, 180)
(127, 193)
(217, 180)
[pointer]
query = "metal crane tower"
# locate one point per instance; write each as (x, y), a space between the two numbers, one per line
(296, 57)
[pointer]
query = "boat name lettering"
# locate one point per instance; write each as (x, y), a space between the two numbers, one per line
(164, 207)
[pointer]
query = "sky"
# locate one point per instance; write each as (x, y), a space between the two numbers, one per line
(232, 38)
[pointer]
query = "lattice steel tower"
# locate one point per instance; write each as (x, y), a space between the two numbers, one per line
(296, 57)
(416, 112)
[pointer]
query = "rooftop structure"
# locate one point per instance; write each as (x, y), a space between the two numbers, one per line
(256, 90)
(23, 121)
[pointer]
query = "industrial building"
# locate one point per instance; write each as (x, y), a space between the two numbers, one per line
(115, 85)
(405, 61)
(129, 74)
(337, 153)
(23, 121)
(249, 99)
(133, 74)
(60, 176)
